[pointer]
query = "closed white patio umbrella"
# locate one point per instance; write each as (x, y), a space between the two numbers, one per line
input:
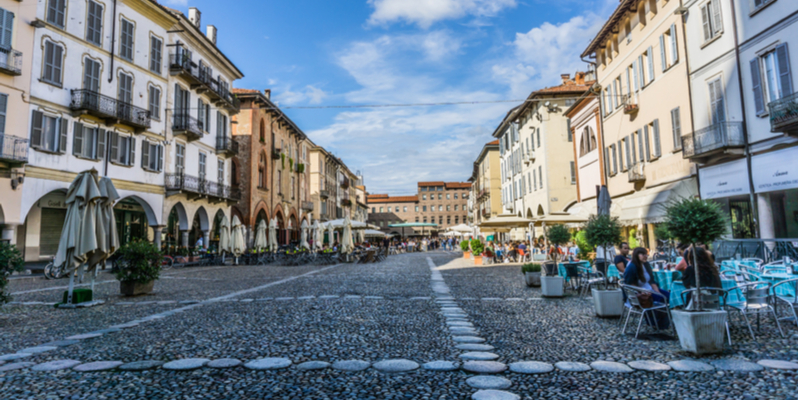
(224, 237)
(304, 235)
(261, 236)
(347, 237)
(317, 235)
(330, 235)
(273, 234)
(237, 237)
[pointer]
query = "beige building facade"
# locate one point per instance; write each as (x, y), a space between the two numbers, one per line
(486, 192)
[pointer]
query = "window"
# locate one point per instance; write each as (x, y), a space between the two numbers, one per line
(6, 28)
(373, 210)
(53, 61)
(772, 78)
(180, 158)
(125, 93)
(456, 219)
(534, 180)
(152, 156)
(712, 19)
(716, 98)
(201, 114)
(669, 48)
(608, 101)
(94, 23)
(220, 171)
(56, 10)
(440, 208)
(676, 128)
(423, 197)
(424, 208)
(538, 138)
(405, 209)
(640, 140)
(155, 55)
(440, 220)
(572, 172)
(222, 126)
(425, 220)
(397, 209)
(262, 173)
(91, 75)
(126, 39)
(122, 149)
(201, 166)
(541, 180)
(448, 220)
(628, 143)
(381, 209)
(530, 185)
(416, 208)
(88, 142)
(49, 133)
(646, 73)
(423, 189)
(613, 151)
(448, 196)
(440, 188)
(448, 208)
(440, 196)
(616, 91)
(653, 127)
(155, 103)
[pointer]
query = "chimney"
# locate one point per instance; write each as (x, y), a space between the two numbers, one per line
(194, 16)
(267, 93)
(579, 78)
(211, 33)
(564, 79)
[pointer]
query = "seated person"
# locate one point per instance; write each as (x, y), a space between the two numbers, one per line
(639, 273)
(709, 273)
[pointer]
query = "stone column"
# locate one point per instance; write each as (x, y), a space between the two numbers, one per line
(765, 222)
(651, 236)
(185, 238)
(10, 233)
(248, 240)
(206, 237)
(157, 236)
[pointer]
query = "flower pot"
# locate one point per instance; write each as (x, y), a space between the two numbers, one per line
(478, 260)
(700, 332)
(607, 303)
(134, 289)
(552, 286)
(467, 254)
(533, 279)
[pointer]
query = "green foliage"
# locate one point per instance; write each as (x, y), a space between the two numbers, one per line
(477, 247)
(183, 252)
(558, 234)
(696, 221)
(531, 267)
(291, 163)
(301, 168)
(283, 161)
(662, 232)
(10, 261)
(583, 244)
(602, 230)
(633, 242)
(464, 245)
(139, 262)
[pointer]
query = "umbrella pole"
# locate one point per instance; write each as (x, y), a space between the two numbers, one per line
(71, 286)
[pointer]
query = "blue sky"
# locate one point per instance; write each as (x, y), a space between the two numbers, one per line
(355, 52)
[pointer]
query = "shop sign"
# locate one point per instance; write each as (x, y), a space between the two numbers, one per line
(776, 170)
(724, 180)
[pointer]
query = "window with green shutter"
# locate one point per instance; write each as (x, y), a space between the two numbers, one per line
(155, 54)
(126, 40)
(94, 23)
(6, 28)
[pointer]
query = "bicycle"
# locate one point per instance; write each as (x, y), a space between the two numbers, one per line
(51, 271)
(167, 262)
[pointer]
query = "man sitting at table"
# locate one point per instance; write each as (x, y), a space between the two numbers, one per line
(621, 260)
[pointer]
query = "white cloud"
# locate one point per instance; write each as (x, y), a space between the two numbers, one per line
(425, 12)
(312, 94)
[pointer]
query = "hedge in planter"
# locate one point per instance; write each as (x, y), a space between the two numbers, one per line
(464, 245)
(558, 235)
(477, 247)
(139, 264)
(10, 261)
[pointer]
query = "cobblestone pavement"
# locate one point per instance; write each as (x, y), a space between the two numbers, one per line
(252, 332)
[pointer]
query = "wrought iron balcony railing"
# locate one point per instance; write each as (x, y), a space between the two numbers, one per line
(630, 104)
(185, 124)
(227, 146)
(783, 114)
(636, 173)
(324, 194)
(307, 206)
(13, 150)
(181, 183)
(10, 61)
(713, 139)
(182, 64)
(109, 109)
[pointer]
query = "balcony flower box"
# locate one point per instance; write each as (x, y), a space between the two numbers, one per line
(276, 154)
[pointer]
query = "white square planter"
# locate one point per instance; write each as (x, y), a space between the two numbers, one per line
(552, 286)
(607, 303)
(533, 279)
(701, 332)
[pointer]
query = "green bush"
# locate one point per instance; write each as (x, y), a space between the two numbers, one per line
(583, 244)
(531, 267)
(10, 261)
(696, 221)
(602, 230)
(464, 245)
(477, 247)
(139, 262)
(633, 242)
(183, 252)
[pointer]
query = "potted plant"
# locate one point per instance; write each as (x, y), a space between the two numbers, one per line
(10, 261)
(477, 250)
(698, 221)
(533, 274)
(603, 230)
(465, 248)
(552, 284)
(139, 267)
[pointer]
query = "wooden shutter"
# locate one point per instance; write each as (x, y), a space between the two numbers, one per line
(145, 154)
(613, 151)
(673, 37)
(651, 73)
(758, 94)
(635, 67)
(132, 146)
(614, 97)
(36, 129)
(717, 105)
(160, 164)
(705, 12)
(57, 63)
(656, 139)
(77, 139)
(628, 152)
(663, 53)
(784, 69)
(49, 49)
(6, 29)
(641, 145)
(676, 128)
(101, 143)
(641, 71)
(628, 81)
(605, 161)
(62, 143)
(632, 139)
(716, 11)
(647, 142)
(621, 159)
(3, 112)
(115, 146)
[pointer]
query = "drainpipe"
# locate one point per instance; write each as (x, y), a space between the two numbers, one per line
(113, 41)
(691, 105)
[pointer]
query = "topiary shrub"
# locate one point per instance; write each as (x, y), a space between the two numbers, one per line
(464, 245)
(10, 261)
(583, 244)
(531, 267)
(477, 247)
(139, 262)
(558, 235)
(602, 230)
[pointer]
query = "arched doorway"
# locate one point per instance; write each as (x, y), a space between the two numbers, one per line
(281, 228)
(177, 221)
(41, 231)
(215, 230)
(540, 211)
(294, 231)
(199, 226)
(133, 217)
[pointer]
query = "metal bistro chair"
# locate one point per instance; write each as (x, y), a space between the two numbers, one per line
(574, 276)
(635, 308)
(590, 279)
(759, 262)
(790, 301)
(524, 257)
(757, 301)
(711, 299)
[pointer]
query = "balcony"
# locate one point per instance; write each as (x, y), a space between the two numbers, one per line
(182, 65)
(227, 146)
(783, 114)
(109, 109)
(721, 140)
(187, 126)
(636, 172)
(307, 206)
(345, 184)
(276, 154)
(630, 104)
(215, 91)
(10, 61)
(324, 194)
(13, 150)
(347, 202)
(195, 188)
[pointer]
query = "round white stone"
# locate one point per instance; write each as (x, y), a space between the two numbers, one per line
(313, 365)
(97, 366)
(38, 349)
(736, 365)
(491, 394)
(55, 365)
(269, 363)
(778, 364)
(459, 323)
(463, 331)
(572, 366)
(468, 339)
(690, 366)
(398, 365)
(351, 365)
(186, 364)
(475, 347)
(84, 336)
(610, 366)
(440, 366)
(15, 356)
(140, 365)
(479, 356)
(489, 382)
(530, 367)
(646, 365)
(484, 367)
(224, 363)
(16, 366)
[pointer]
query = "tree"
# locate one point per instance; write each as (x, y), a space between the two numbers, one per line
(558, 235)
(603, 230)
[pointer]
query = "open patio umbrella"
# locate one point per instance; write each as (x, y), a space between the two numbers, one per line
(461, 228)
(304, 235)
(261, 236)
(347, 237)
(273, 234)
(237, 237)
(224, 237)
(317, 229)
(371, 233)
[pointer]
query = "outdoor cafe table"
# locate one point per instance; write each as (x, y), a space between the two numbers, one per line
(734, 296)
(583, 266)
(788, 290)
(664, 277)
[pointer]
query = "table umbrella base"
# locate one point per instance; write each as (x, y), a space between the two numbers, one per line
(81, 305)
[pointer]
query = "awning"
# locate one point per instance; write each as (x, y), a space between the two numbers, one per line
(505, 221)
(650, 205)
(412, 225)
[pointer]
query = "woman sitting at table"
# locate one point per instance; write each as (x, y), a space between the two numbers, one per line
(709, 273)
(639, 273)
